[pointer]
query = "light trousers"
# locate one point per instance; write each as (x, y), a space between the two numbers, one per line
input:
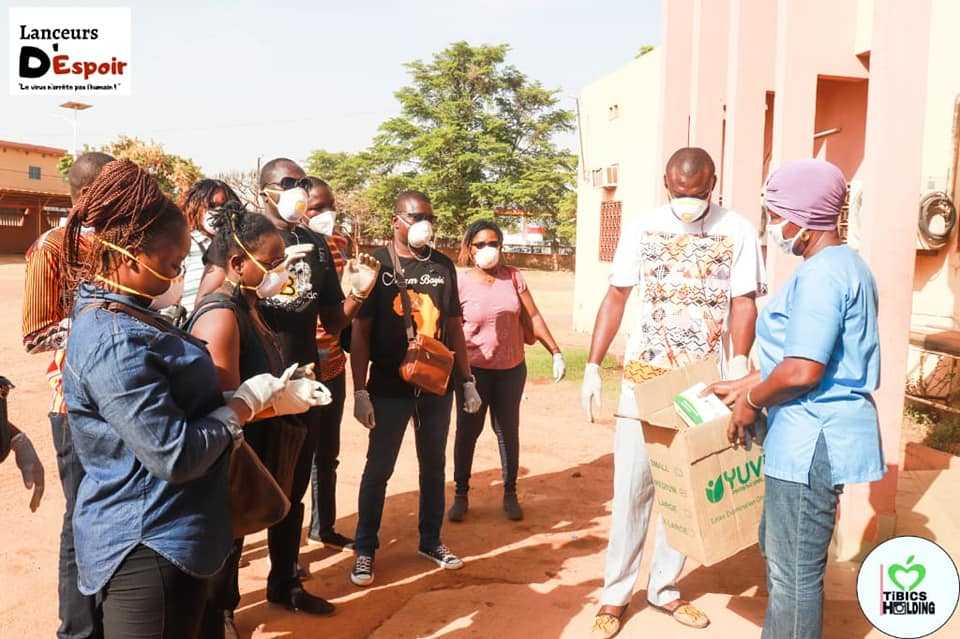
(633, 494)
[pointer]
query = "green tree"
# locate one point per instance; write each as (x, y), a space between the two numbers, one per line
(174, 173)
(474, 133)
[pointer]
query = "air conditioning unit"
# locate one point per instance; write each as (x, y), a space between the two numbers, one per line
(611, 177)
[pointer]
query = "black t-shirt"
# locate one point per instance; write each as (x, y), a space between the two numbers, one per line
(313, 284)
(432, 289)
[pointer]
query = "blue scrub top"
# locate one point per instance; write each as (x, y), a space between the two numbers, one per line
(827, 313)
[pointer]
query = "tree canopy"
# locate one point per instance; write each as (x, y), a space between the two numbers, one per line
(473, 132)
(174, 173)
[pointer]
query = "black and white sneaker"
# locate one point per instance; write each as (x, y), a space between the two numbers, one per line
(443, 557)
(362, 573)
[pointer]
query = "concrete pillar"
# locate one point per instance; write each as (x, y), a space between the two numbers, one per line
(891, 173)
(677, 59)
(750, 73)
(708, 76)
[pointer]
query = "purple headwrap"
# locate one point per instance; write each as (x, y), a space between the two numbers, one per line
(808, 193)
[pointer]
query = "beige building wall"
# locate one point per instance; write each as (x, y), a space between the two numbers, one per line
(16, 160)
(936, 282)
(618, 120)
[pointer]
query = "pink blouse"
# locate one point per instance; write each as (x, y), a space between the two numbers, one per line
(491, 319)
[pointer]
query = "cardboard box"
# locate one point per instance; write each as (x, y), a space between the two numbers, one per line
(710, 494)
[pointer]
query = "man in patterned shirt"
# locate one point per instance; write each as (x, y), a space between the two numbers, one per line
(46, 310)
(698, 270)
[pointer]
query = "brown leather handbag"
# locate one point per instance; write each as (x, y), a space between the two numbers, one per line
(256, 500)
(427, 363)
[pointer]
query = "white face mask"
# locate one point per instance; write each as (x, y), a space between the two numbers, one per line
(207, 224)
(169, 297)
(323, 223)
(688, 209)
(487, 257)
(419, 234)
(272, 282)
(775, 233)
(292, 203)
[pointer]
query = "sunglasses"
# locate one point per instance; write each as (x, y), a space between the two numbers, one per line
(288, 183)
(419, 217)
(483, 245)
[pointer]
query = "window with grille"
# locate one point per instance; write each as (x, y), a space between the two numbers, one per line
(609, 229)
(33, 172)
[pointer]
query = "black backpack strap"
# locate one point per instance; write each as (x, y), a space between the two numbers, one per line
(219, 300)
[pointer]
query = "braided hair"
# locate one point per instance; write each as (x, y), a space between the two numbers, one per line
(480, 225)
(200, 199)
(124, 206)
(230, 220)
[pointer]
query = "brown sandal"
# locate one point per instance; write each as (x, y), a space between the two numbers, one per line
(685, 613)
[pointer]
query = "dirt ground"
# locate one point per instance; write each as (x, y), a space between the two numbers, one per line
(540, 577)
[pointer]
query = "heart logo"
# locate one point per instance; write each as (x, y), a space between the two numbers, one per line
(896, 569)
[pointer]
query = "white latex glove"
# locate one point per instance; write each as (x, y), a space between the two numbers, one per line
(591, 389)
(295, 252)
(363, 408)
(471, 398)
(739, 367)
(30, 467)
(300, 395)
(259, 391)
(305, 372)
(360, 275)
(559, 367)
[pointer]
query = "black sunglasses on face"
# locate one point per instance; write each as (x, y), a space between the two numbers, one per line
(419, 217)
(288, 183)
(482, 245)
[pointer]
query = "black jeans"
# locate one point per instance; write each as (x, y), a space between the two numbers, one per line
(431, 422)
(501, 391)
(283, 539)
(323, 475)
(150, 598)
(79, 614)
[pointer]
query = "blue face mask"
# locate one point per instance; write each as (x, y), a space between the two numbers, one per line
(775, 232)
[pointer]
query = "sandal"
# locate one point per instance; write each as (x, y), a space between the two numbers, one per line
(685, 613)
(606, 625)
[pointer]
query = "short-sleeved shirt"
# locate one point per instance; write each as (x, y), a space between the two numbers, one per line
(434, 298)
(195, 263)
(686, 275)
(313, 284)
(826, 313)
(332, 359)
(491, 319)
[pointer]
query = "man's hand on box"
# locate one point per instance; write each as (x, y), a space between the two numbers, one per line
(729, 391)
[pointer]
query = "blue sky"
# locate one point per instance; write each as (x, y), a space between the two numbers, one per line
(224, 83)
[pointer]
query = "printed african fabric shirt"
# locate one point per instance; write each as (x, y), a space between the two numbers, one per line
(685, 275)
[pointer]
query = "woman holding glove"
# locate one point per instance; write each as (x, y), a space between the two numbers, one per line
(819, 362)
(249, 248)
(152, 521)
(495, 299)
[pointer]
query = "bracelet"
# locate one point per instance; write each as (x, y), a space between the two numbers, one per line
(750, 401)
(357, 298)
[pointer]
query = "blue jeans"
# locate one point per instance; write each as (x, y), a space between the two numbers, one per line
(795, 532)
(79, 615)
(431, 422)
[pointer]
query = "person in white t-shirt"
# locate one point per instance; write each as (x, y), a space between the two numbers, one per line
(698, 271)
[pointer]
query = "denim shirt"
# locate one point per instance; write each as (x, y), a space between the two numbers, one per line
(156, 472)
